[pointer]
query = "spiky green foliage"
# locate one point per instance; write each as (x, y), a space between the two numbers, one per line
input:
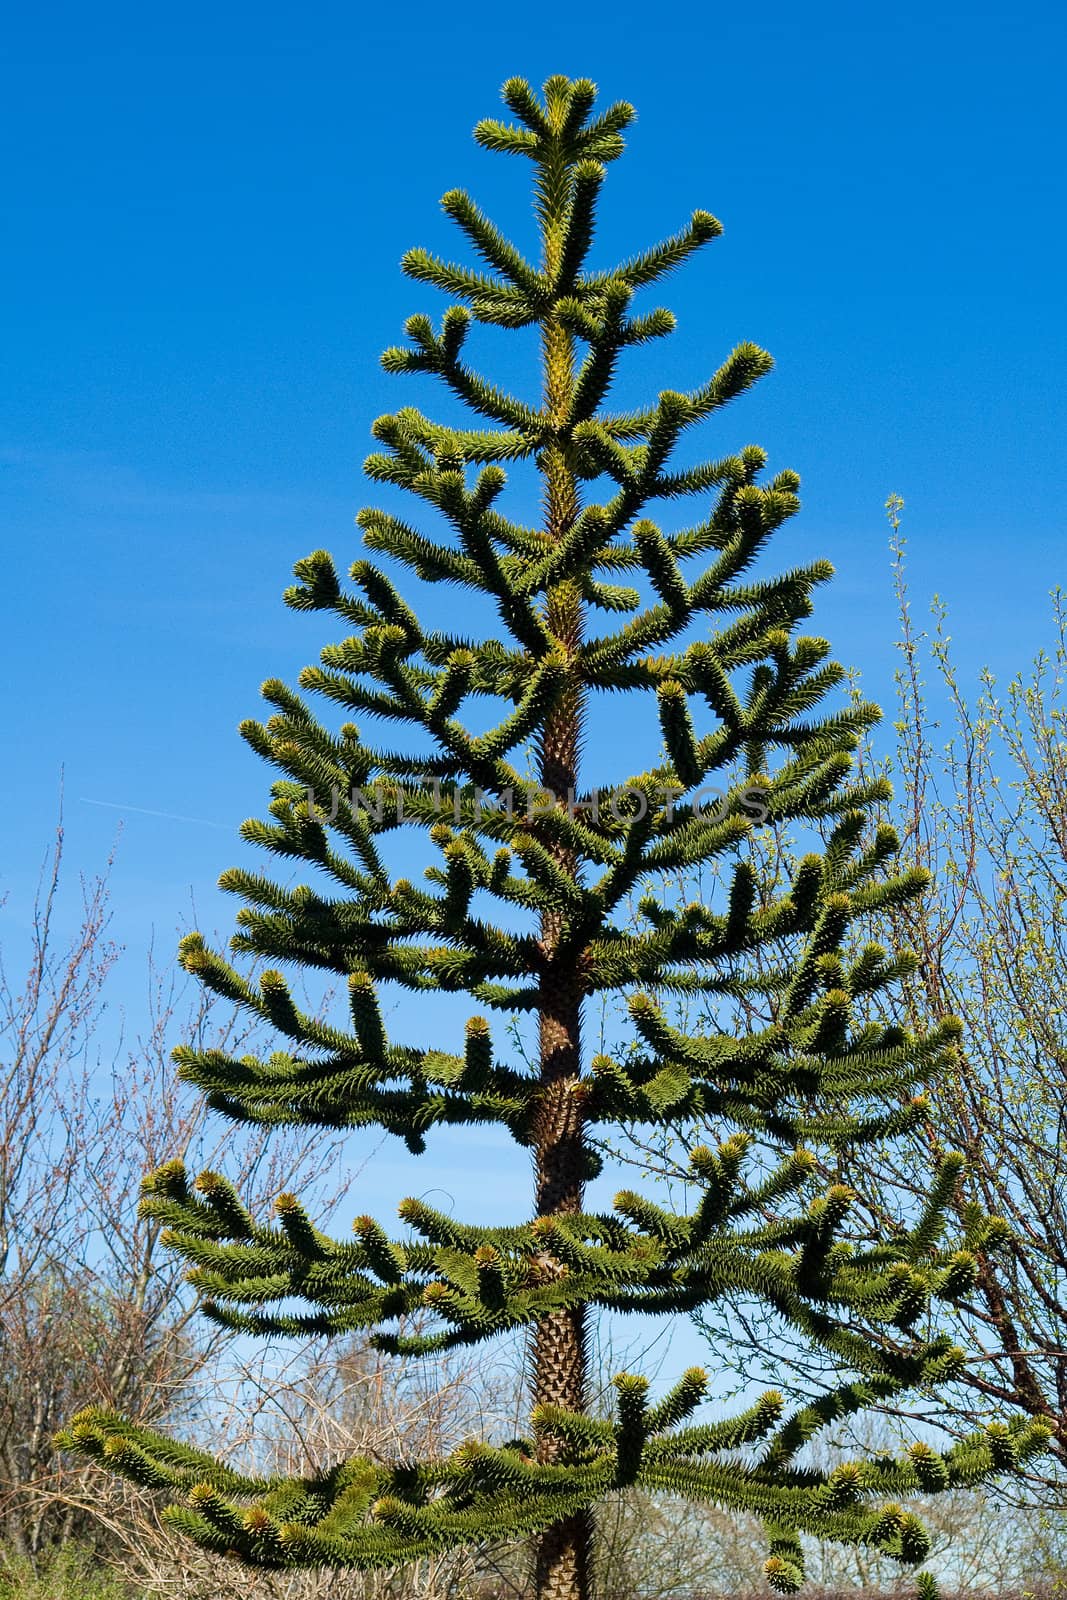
(739, 690)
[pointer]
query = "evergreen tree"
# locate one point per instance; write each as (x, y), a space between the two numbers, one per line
(738, 690)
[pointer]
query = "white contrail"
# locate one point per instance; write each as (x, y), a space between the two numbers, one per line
(171, 816)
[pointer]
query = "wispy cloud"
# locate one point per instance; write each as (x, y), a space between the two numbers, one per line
(92, 480)
(145, 811)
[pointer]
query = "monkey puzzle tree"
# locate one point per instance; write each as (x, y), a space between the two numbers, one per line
(737, 688)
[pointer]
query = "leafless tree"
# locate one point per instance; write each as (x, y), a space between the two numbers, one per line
(92, 1309)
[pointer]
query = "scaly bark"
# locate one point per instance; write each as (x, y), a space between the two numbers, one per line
(563, 1553)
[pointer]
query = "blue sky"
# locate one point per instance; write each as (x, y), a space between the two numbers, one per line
(205, 212)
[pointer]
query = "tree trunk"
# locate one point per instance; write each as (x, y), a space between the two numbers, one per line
(563, 1553)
